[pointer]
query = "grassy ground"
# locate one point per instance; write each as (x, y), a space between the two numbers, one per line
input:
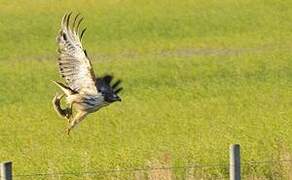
(198, 76)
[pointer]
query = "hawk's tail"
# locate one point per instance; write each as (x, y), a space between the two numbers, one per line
(64, 113)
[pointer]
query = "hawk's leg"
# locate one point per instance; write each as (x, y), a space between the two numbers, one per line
(76, 120)
(64, 113)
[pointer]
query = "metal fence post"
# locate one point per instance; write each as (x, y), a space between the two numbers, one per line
(234, 165)
(6, 170)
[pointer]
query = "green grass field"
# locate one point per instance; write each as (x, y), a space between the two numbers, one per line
(197, 77)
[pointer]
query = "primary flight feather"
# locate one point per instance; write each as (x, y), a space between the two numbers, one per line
(82, 89)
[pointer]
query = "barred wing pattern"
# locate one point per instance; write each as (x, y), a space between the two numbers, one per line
(74, 65)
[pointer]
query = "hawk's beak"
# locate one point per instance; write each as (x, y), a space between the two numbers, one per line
(116, 98)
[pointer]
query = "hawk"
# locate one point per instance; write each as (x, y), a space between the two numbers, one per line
(83, 91)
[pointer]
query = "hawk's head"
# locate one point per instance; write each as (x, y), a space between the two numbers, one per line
(108, 91)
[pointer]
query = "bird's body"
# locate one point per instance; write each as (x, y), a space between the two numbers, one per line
(84, 102)
(87, 103)
(82, 90)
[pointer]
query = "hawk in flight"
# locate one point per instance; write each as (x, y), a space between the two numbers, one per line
(84, 92)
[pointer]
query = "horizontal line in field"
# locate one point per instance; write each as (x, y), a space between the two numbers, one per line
(183, 53)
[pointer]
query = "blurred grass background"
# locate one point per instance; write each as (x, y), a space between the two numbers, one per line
(198, 76)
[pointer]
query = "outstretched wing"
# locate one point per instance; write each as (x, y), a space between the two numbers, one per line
(74, 65)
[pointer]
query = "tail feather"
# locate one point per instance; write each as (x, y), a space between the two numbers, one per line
(64, 113)
(65, 89)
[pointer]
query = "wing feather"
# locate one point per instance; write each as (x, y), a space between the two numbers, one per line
(74, 64)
